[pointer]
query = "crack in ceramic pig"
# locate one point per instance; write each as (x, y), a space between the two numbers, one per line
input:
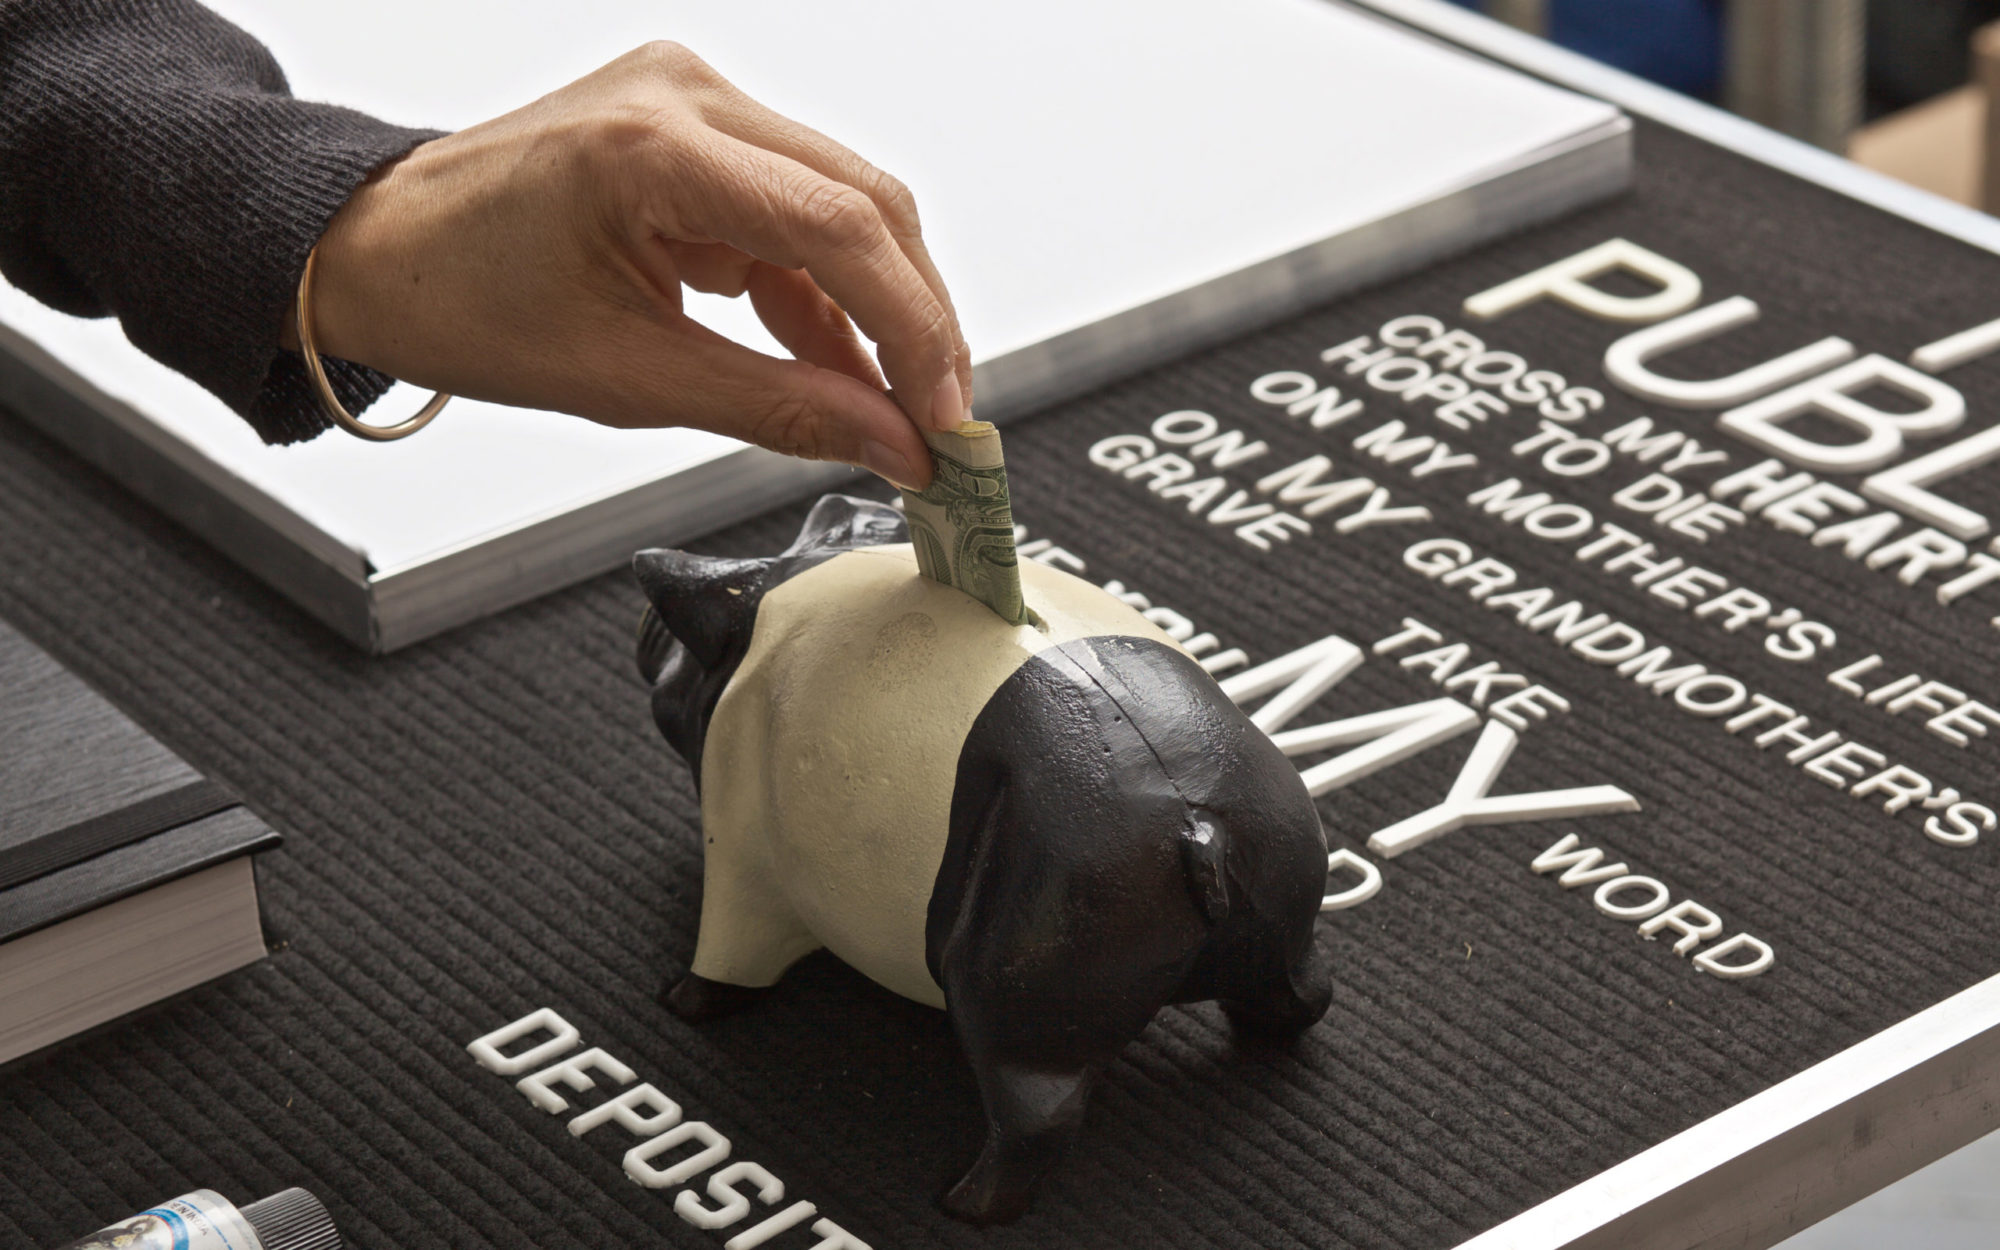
(1049, 832)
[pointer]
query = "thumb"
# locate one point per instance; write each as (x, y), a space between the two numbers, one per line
(797, 408)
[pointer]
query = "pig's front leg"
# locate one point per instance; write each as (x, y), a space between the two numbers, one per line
(749, 932)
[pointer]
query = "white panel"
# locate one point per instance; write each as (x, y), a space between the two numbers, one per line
(1073, 159)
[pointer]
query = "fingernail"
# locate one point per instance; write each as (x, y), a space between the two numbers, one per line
(886, 462)
(948, 405)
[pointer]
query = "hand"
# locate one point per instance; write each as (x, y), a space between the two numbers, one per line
(537, 260)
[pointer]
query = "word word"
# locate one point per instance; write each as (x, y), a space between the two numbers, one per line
(1625, 895)
(1596, 638)
(1691, 514)
(650, 1115)
(1249, 512)
(1672, 450)
(1619, 553)
(1823, 513)
(1420, 360)
(1380, 739)
(1953, 714)
(1445, 665)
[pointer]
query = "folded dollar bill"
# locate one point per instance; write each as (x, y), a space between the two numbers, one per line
(962, 524)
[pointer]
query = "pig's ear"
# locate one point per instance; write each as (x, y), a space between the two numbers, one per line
(842, 523)
(708, 602)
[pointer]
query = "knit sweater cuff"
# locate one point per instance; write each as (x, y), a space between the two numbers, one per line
(340, 154)
(274, 171)
(155, 167)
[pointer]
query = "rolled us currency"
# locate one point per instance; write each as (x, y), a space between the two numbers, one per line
(962, 524)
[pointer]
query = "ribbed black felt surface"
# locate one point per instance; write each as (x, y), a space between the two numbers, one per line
(487, 824)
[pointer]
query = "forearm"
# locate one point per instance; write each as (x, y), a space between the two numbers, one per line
(154, 167)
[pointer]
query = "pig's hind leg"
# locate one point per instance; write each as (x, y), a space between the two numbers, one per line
(1045, 988)
(1036, 1048)
(1286, 1004)
(1032, 1114)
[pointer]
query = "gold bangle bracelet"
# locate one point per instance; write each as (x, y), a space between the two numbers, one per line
(329, 403)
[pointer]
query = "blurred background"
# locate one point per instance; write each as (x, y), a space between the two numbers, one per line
(1910, 88)
(1906, 87)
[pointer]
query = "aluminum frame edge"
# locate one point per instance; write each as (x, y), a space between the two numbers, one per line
(1782, 1160)
(325, 578)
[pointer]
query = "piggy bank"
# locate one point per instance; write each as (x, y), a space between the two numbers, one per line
(1050, 831)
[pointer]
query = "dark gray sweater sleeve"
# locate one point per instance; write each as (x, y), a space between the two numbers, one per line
(155, 167)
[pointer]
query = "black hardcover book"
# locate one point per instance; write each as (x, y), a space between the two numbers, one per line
(125, 875)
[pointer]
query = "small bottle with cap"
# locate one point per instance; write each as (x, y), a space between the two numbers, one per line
(291, 1219)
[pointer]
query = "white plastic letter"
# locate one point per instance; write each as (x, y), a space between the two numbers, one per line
(1467, 802)
(573, 1073)
(1120, 451)
(1957, 349)
(1906, 488)
(1583, 866)
(1695, 923)
(750, 1238)
(1832, 394)
(714, 1150)
(1710, 960)
(1625, 360)
(1390, 736)
(1657, 897)
(1311, 671)
(1371, 881)
(625, 1110)
(487, 1049)
(1568, 282)
(836, 1238)
(1189, 425)
(733, 1205)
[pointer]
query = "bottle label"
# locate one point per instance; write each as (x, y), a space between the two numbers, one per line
(202, 1220)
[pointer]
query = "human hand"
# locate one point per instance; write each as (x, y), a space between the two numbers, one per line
(537, 260)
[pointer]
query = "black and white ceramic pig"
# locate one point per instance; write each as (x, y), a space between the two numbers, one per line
(1051, 831)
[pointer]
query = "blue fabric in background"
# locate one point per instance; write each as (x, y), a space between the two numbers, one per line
(1676, 43)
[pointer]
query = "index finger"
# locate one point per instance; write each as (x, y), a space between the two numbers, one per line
(728, 109)
(790, 215)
